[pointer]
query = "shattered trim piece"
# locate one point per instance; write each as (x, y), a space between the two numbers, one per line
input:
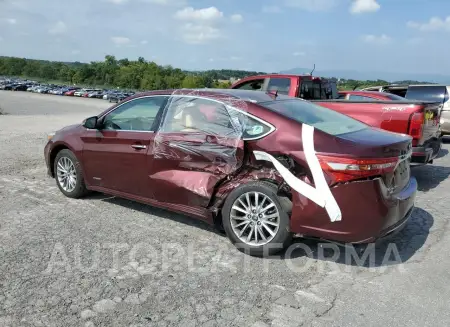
(321, 194)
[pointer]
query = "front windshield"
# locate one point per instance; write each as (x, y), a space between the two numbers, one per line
(324, 119)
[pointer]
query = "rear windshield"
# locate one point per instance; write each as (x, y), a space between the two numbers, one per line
(318, 90)
(427, 93)
(324, 119)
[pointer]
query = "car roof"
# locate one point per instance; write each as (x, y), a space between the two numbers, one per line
(428, 85)
(220, 94)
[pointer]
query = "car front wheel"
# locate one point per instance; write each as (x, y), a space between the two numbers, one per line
(256, 219)
(68, 174)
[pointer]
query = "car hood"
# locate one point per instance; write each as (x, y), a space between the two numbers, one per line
(69, 129)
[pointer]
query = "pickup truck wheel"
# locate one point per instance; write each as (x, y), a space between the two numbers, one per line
(255, 219)
(68, 174)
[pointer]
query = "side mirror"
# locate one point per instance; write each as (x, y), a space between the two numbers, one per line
(91, 122)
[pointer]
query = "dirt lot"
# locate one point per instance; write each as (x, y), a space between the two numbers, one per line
(104, 261)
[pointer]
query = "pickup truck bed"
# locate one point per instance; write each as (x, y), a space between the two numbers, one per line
(419, 119)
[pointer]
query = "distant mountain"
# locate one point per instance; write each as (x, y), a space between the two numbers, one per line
(361, 75)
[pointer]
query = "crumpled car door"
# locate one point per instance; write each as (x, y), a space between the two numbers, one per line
(186, 167)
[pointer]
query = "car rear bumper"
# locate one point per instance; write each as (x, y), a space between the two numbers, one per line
(369, 212)
(422, 155)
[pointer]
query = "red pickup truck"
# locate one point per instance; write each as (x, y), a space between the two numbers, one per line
(419, 119)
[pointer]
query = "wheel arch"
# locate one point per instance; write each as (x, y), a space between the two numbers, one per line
(54, 152)
(264, 175)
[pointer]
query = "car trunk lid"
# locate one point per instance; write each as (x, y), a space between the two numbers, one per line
(368, 153)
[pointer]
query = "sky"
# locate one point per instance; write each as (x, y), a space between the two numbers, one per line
(261, 35)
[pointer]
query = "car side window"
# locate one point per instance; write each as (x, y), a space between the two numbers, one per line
(254, 85)
(253, 128)
(136, 115)
(197, 115)
(360, 98)
(280, 85)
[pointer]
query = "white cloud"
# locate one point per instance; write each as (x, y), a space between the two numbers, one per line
(201, 26)
(434, 24)
(156, 2)
(312, 5)
(235, 58)
(377, 39)
(364, 6)
(166, 2)
(237, 18)
(11, 21)
(298, 54)
(1, 39)
(75, 52)
(205, 14)
(120, 40)
(117, 2)
(271, 9)
(143, 42)
(198, 33)
(58, 28)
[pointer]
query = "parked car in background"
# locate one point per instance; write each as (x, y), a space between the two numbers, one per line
(82, 92)
(19, 87)
(369, 96)
(438, 93)
(398, 89)
(117, 97)
(419, 119)
(71, 93)
(42, 89)
(95, 94)
(243, 172)
(107, 94)
(7, 86)
(303, 86)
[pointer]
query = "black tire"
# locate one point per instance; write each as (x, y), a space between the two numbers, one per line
(80, 189)
(283, 236)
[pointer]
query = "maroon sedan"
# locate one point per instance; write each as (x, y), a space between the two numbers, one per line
(263, 166)
(369, 96)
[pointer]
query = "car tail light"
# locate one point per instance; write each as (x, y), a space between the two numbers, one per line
(416, 125)
(347, 169)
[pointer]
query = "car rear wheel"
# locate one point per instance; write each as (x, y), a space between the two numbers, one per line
(256, 219)
(68, 174)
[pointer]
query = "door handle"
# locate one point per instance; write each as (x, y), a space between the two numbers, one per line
(139, 146)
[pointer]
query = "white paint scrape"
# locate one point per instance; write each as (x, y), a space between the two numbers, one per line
(321, 194)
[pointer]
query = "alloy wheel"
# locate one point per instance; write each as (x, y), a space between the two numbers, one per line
(67, 174)
(254, 218)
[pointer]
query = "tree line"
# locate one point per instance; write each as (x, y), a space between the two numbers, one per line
(133, 74)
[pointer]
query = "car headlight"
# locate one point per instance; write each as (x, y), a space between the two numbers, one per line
(50, 136)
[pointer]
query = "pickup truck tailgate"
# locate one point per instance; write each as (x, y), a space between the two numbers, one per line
(432, 113)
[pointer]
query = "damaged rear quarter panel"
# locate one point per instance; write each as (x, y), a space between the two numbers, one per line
(276, 144)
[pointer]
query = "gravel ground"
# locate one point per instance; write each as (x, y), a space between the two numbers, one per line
(103, 261)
